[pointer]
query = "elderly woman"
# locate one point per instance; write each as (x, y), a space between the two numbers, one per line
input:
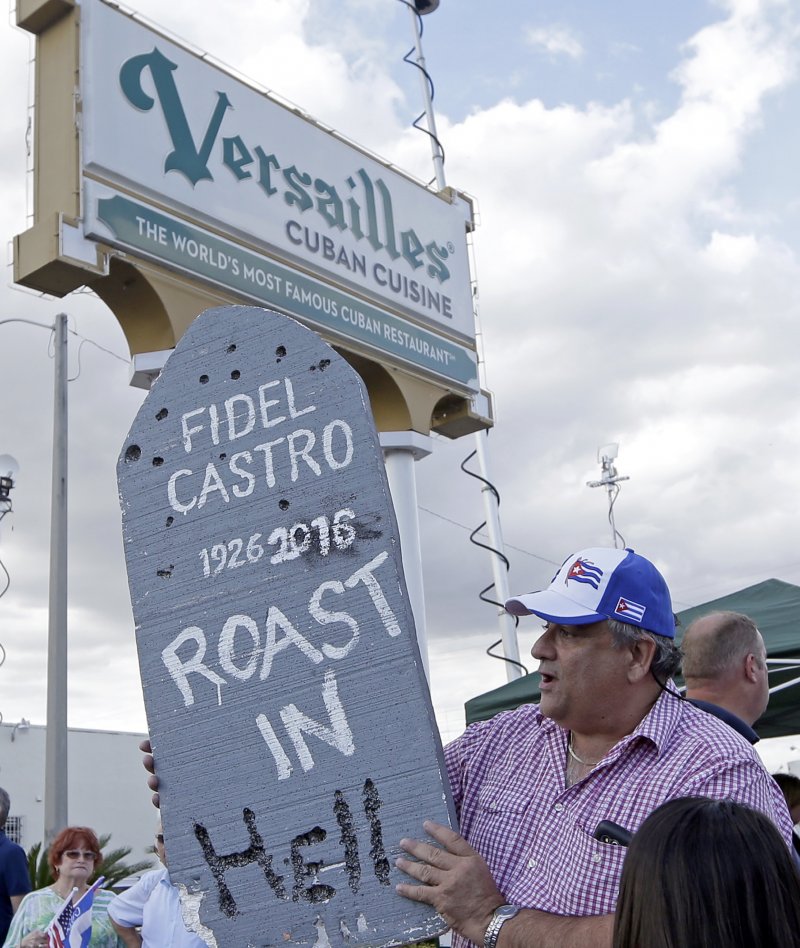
(74, 857)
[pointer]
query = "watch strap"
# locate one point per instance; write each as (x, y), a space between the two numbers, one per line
(499, 917)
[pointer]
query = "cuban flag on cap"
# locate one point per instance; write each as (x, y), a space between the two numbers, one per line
(602, 583)
(584, 571)
(630, 610)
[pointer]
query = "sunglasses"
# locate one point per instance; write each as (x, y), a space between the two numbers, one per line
(160, 838)
(80, 854)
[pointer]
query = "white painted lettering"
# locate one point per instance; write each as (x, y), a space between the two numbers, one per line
(337, 735)
(303, 453)
(325, 617)
(179, 670)
(364, 575)
(213, 414)
(173, 496)
(280, 756)
(264, 405)
(293, 412)
(230, 411)
(187, 431)
(227, 647)
(212, 482)
(233, 464)
(272, 644)
(269, 470)
(327, 443)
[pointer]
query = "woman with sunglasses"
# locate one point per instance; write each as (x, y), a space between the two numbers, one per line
(74, 858)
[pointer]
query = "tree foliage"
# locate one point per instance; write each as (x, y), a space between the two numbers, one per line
(113, 866)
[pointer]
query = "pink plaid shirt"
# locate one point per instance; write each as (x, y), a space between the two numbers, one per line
(536, 834)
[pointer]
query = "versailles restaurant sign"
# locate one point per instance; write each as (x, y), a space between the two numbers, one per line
(191, 167)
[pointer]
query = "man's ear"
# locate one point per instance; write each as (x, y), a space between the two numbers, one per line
(751, 666)
(642, 654)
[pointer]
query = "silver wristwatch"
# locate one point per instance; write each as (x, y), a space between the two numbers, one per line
(501, 915)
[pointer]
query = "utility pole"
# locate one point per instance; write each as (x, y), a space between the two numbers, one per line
(55, 768)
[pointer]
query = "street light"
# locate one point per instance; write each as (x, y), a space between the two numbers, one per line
(22, 725)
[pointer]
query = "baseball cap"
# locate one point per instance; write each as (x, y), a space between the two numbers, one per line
(598, 584)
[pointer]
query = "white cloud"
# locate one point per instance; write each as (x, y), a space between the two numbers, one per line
(554, 40)
(731, 66)
(731, 252)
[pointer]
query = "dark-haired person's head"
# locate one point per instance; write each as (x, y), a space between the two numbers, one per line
(705, 873)
(74, 842)
(790, 788)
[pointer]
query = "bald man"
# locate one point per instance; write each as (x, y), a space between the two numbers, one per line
(725, 669)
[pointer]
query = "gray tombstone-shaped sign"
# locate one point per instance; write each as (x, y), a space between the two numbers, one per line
(288, 709)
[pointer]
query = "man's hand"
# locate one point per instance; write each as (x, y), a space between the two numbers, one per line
(150, 767)
(455, 881)
(128, 936)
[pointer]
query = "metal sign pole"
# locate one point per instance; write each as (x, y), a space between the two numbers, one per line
(55, 798)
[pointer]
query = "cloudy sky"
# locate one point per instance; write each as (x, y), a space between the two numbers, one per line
(635, 171)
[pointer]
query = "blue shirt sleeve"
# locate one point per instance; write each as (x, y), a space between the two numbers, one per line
(15, 872)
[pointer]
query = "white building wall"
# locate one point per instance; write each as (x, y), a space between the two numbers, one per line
(107, 785)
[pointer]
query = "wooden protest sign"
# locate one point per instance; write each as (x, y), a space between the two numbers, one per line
(288, 710)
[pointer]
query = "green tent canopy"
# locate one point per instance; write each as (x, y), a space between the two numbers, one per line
(773, 605)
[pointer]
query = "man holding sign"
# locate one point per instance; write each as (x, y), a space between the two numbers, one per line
(267, 589)
(610, 740)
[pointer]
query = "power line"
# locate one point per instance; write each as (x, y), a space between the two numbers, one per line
(462, 526)
(85, 340)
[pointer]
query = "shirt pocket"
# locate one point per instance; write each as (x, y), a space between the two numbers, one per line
(499, 826)
(582, 873)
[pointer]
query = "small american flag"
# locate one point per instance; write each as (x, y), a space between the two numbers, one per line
(72, 925)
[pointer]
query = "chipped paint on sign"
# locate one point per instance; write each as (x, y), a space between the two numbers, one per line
(190, 912)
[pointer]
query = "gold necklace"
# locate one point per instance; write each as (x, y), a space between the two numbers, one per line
(574, 756)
